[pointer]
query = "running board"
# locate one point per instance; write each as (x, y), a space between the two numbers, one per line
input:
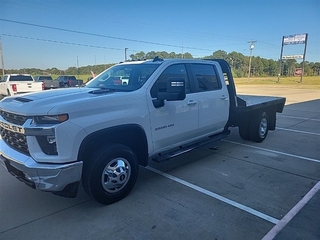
(161, 157)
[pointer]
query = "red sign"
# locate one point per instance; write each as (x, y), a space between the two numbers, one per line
(298, 72)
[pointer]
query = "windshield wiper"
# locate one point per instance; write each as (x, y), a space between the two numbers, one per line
(102, 90)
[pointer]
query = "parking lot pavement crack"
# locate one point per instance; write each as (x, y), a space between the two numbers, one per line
(43, 217)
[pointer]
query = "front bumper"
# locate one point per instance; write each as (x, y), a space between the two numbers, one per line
(47, 177)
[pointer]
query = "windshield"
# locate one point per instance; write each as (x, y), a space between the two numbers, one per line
(45, 78)
(126, 77)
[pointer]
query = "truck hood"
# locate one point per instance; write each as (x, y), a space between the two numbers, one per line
(51, 101)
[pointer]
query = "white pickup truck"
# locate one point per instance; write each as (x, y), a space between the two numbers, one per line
(100, 133)
(12, 84)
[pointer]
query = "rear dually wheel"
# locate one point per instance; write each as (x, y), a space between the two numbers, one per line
(259, 127)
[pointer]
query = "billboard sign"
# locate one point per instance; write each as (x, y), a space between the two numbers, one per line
(294, 39)
(293, 56)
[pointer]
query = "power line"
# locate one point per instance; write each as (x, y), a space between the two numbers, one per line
(55, 41)
(99, 35)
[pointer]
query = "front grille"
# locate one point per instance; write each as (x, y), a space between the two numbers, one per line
(13, 118)
(17, 141)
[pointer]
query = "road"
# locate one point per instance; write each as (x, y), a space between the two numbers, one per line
(233, 189)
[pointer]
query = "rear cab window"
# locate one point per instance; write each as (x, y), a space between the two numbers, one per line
(20, 78)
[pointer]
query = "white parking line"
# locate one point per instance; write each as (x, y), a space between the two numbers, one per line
(298, 131)
(287, 218)
(216, 196)
(273, 151)
(301, 118)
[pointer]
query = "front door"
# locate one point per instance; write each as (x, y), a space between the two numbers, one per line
(176, 122)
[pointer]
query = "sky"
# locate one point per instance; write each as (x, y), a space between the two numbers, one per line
(73, 33)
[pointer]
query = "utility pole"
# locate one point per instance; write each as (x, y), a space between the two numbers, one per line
(182, 50)
(304, 57)
(251, 48)
(125, 54)
(2, 62)
(78, 66)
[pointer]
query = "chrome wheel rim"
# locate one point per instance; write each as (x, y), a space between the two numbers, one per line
(263, 127)
(116, 175)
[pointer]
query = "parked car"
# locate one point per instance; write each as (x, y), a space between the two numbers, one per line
(49, 83)
(12, 84)
(69, 81)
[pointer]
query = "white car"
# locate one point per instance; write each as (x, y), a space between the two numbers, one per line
(12, 84)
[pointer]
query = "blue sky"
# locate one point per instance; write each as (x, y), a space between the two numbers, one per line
(70, 33)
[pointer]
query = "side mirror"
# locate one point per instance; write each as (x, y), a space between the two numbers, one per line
(176, 90)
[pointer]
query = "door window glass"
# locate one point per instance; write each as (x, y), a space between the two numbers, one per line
(206, 77)
(173, 71)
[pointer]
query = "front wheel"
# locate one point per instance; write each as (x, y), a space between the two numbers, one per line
(110, 174)
(259, 127)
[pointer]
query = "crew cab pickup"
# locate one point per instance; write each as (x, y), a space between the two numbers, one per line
(126, 116)
(12, 84)
(69, 81)
(47, 80)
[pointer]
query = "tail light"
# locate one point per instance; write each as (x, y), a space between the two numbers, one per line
(42, 86)
(14, 87)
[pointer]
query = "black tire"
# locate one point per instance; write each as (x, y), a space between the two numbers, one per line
(8, 92)
(259, 127)
(244, 131)
(110, 174)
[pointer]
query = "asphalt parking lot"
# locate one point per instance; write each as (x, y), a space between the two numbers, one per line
(233, 189)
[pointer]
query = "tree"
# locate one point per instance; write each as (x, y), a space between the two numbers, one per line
(238, 62)
(220, 54)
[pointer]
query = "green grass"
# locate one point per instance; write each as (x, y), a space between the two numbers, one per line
(288, 82)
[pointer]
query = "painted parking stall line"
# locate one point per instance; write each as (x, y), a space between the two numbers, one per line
(298, 131)
(288, 217)
(300, 118)
(216, 196)
(273, 151)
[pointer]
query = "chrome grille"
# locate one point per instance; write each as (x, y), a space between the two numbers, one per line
(17, 141)
(13, 118)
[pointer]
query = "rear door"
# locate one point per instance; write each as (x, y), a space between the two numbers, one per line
(213, 98)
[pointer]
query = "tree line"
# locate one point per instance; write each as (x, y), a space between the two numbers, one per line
(260, 67)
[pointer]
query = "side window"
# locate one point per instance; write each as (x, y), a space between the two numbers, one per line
(206, 77)
(4, 78)
(176, 71)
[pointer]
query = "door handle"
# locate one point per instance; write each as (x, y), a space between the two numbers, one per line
(191, 103)
(224, 97)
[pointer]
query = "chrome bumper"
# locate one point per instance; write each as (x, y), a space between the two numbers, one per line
(46, 177)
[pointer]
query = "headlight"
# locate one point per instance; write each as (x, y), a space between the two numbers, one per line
(51, 119)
